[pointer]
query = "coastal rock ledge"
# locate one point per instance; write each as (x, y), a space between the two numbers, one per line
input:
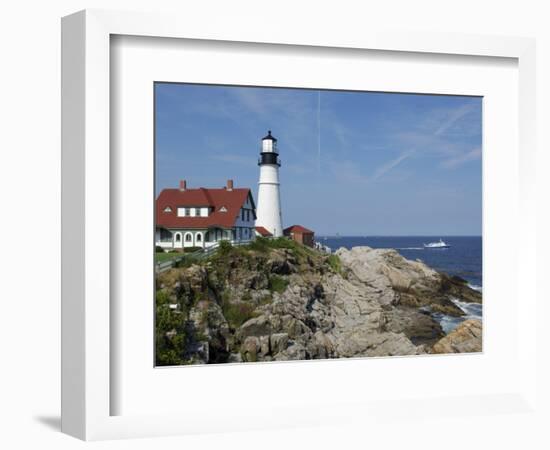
(274, 301)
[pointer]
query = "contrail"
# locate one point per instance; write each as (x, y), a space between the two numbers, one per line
(319, 130)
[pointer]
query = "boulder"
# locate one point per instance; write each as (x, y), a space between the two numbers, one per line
(294, 352)
(418, 327)
(264, 346)
(234, 358)
(250, 349)
(257, 326)
(465, 338)
(278, 342)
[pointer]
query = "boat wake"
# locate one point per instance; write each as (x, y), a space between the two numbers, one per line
(438, 244)
(410, 248)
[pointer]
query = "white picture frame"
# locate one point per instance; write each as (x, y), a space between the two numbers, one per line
(86, 248)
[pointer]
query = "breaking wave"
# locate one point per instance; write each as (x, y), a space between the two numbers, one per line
(471, 311)
(475, 287)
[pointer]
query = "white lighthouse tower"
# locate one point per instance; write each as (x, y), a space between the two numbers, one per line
(269, 200)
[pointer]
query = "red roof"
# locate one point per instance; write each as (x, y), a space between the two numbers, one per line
(296, 229)
(263, 231)
(216, 199)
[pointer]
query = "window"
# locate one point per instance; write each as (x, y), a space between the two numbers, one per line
(242, 214)
(167, 209)
(187, 212)
(178, 237)
(199, 237)
(223, 209)
(188, 237)
(165, 235)
(247, 215)
(197, 212)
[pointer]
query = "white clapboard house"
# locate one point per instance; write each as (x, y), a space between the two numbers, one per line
(202, 217)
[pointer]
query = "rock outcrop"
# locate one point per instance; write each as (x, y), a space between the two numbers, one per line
(465, 338)
(283, 301)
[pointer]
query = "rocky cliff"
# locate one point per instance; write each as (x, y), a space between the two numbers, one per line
(277, 300)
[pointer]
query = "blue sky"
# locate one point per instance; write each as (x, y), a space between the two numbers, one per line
(354, 163)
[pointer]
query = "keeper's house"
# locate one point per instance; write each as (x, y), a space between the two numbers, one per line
(201, 217)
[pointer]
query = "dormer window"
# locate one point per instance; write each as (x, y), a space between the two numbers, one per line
(167, 209)
(223, 209)
(184, 212)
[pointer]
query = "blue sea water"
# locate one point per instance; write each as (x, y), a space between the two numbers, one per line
(463, 258)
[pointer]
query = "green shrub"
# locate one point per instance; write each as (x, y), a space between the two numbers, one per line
(277, 284)
(162, 298)
(159, 249)
(170, 336)
(225, 248)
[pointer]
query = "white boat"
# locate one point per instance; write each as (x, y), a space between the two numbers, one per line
(440, 244)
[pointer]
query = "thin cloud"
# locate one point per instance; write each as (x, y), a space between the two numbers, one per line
(347, 172)
(235, 159)
(298, 168)
(252, 100)
(459, 160)
(390, 165)
(454, 116)
(290, 114)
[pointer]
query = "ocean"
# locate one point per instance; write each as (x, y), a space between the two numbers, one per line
(463, 258)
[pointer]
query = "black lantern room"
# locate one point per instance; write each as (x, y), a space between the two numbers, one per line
(269, 153)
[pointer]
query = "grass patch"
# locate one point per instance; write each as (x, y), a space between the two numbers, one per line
(187, 261)
(335, 263)
(237, 313)
(260, 244)
(277, 284)
(263, 245)
(162, 256)
(266, 300)
(191, 249)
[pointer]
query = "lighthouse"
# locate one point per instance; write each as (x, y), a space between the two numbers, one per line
(269, 199)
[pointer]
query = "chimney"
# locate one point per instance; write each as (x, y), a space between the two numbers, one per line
(183, 185)
(229, 185)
